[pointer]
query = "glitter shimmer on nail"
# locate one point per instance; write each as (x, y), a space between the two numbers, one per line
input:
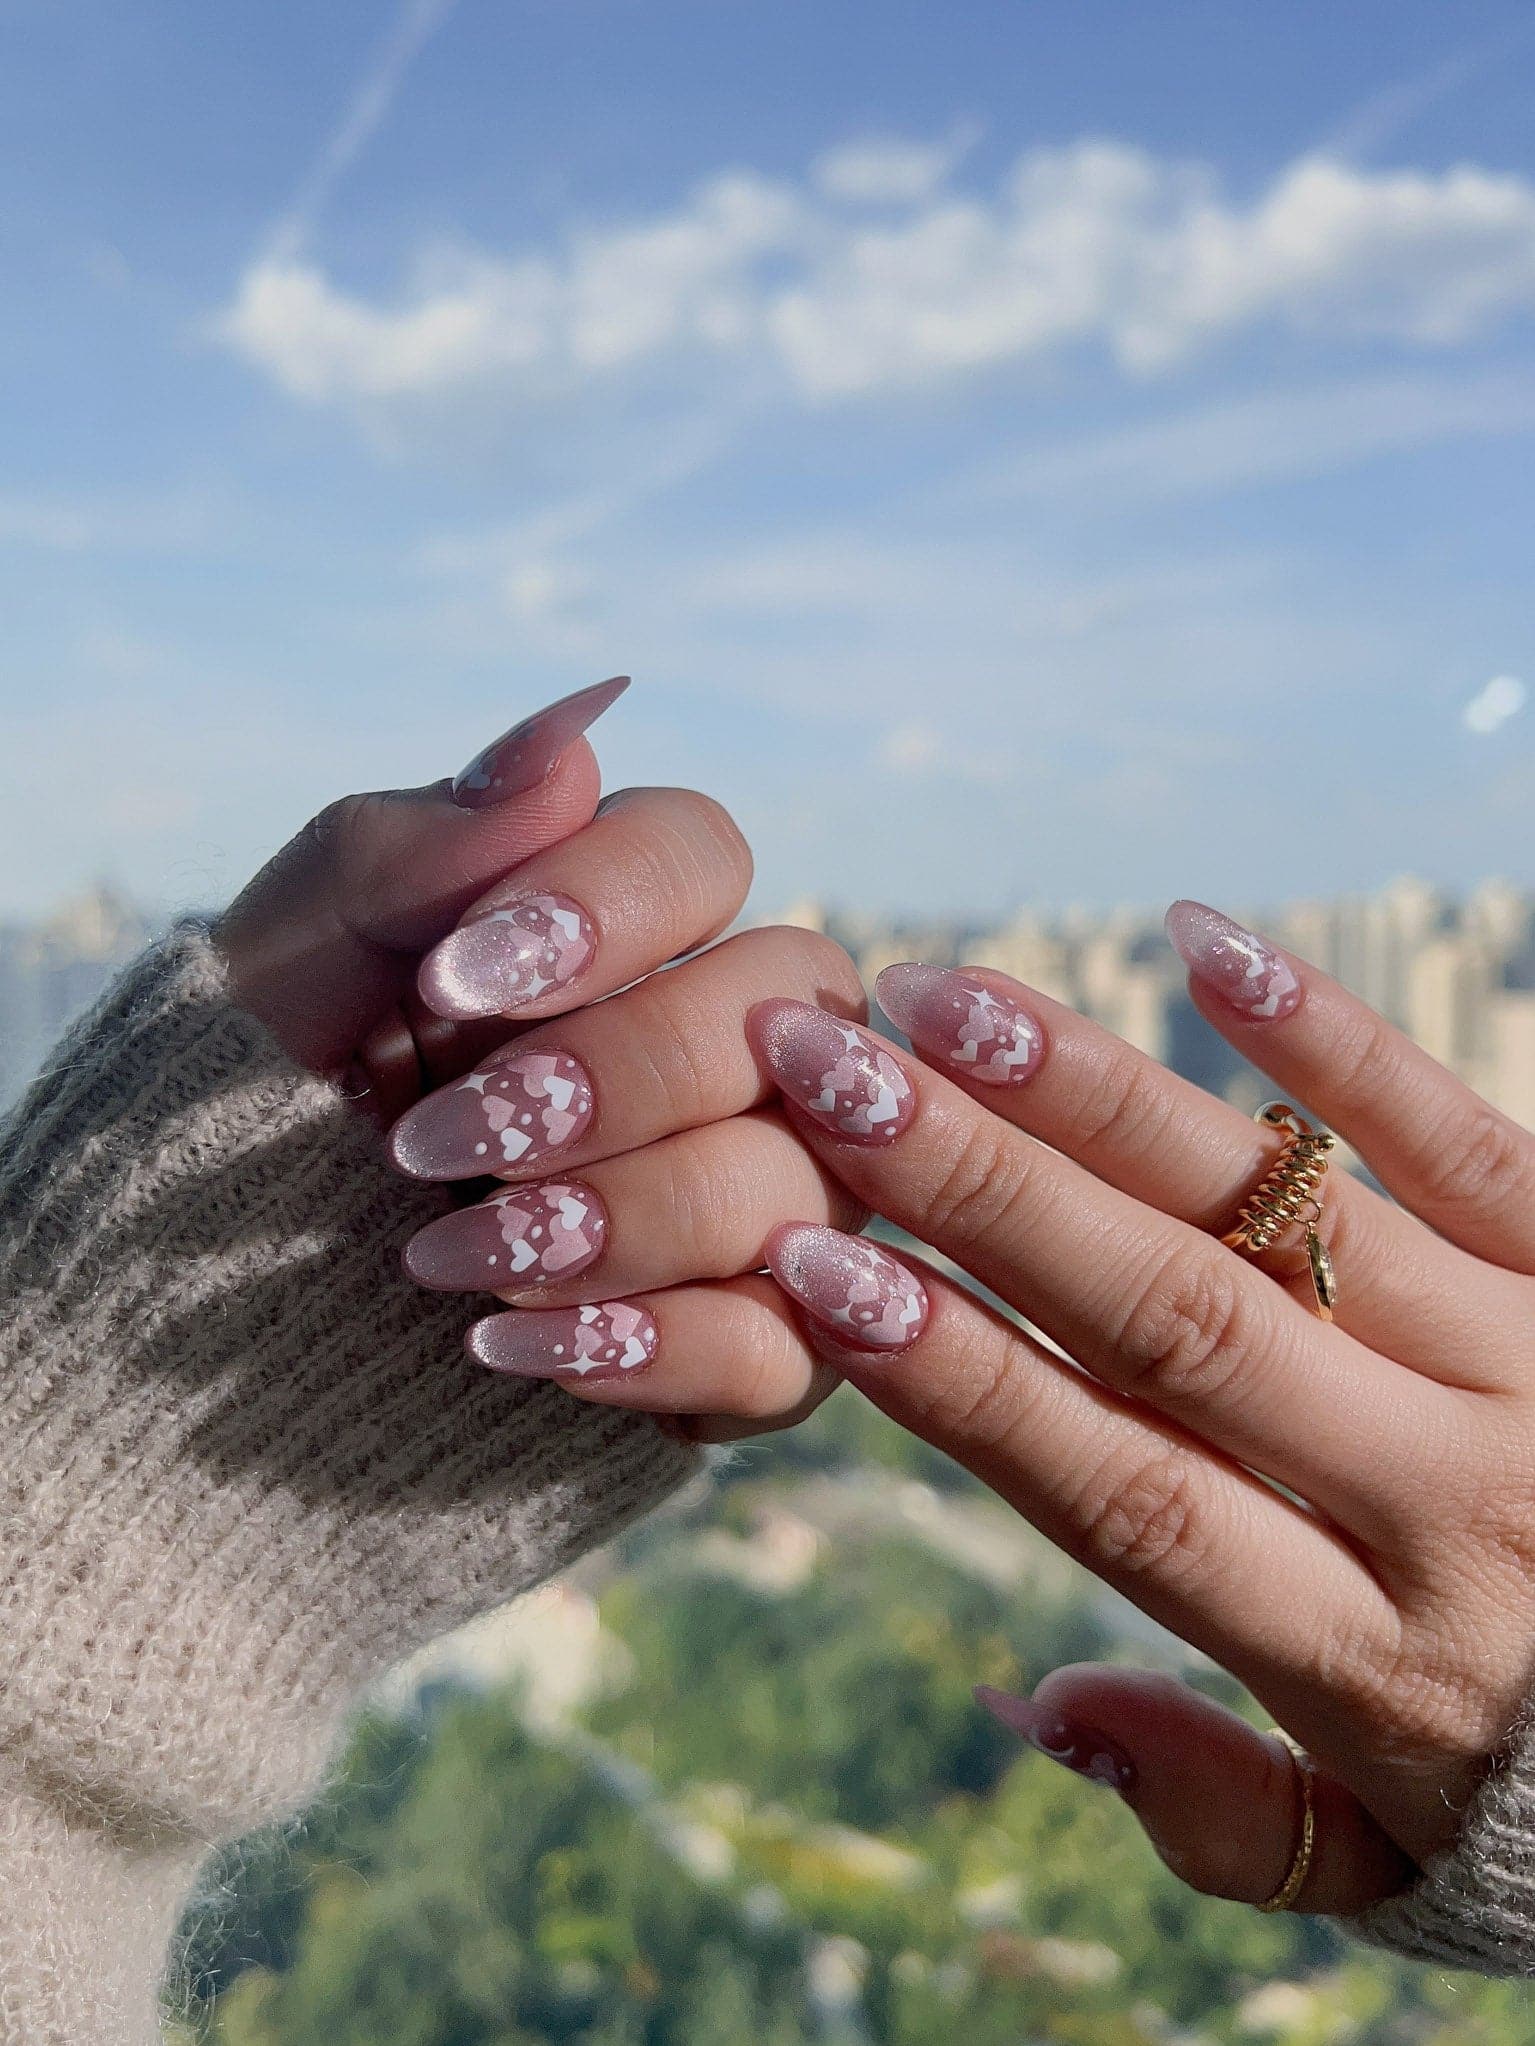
(610, 1340)
(526, 755)
(503, 960)
(1241, 968)
(978, 1031)
(837, 1073)
(528, 1237)
(858, 1292)
(510, 1113)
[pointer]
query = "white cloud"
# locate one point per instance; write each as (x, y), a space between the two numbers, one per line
(1099, 245)
(1494, 704)
(889, 170)
(920, 751)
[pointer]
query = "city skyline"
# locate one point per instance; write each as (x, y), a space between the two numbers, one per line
(1059, 451)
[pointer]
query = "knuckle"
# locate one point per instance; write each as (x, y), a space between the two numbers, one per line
(1126, 1108)
(1367, 1059)
(336, 830)
(674, 1047)
(1182, 1336)
(1142, 1516)
(981, 1188)
(980, 1405)
(1482, 1162)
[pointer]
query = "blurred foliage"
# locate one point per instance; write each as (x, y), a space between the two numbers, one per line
(787, 1822)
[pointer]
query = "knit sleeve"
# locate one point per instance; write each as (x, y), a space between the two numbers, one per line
(1473, 1906)
(245, 1466)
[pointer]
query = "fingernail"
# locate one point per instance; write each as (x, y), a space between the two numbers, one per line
(526, 755)
(500, 962)
(980, 1031)
(514, 1110)
(838, 1074)
(529, 1236)
(857, 1292)
(607, 1341)
(1241, 968)
(1082, 1749)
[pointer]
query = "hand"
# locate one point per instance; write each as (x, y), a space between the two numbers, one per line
(1381, 1606)
(326, 943)
(643, 1154)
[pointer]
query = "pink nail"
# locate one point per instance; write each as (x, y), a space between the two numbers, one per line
(839, 1075)
(857, 1292)
(978, 1029)
(500, 962)
(1241, 968)
(1082, 1749)
(528, 1237)
(607, 1341)
(526, 755)
(508, 1114)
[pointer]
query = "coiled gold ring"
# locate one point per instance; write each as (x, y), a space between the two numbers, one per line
(1288, 1196)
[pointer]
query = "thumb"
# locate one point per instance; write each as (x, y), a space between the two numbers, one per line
(1222, 1803)
(324, 942)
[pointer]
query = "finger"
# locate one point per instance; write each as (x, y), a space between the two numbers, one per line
(1152, 1307)
(1140, 1128)
(655, 874)
(698, 1205)
(326, 938)
(730, 1351)
(1462, 1166)
(1197, 1541)
(1222, 1803)
(668, 1054)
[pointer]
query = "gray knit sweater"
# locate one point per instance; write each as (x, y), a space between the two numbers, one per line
(244, 1466)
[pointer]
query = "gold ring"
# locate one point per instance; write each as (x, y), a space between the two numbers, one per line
(1290, 1192)
(1300, 1862)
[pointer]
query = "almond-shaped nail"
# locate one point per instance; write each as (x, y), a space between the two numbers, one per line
(1077, 1747)
(857, 1292)
(610, 1340)
(843, 1079)
(978, 1030)
(530, 1236)
(1236, 965)
(526, 755)
(498, 963)
(514, 1111)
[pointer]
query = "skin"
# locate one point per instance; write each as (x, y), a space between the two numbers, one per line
(1385, 1614)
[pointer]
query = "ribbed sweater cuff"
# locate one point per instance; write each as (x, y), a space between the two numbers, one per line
(247, 1464)
(1473, 1906)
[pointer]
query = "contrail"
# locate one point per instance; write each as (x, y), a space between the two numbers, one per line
(412, 28)
(1386, 113)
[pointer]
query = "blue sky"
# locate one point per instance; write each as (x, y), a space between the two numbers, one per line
(1047, 452)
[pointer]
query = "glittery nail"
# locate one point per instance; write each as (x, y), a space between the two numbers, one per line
(1235, 964)
(610, 1340)
(527, 1237)
(499, 962)
(526, 755)
(852, 1288)
(979, 1031)
(510, 1113)
(843, 1078)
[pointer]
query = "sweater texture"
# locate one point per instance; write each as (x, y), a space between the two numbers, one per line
(244, 1466)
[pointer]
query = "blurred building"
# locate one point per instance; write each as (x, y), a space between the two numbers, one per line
(1457, 974)
(50, 971)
